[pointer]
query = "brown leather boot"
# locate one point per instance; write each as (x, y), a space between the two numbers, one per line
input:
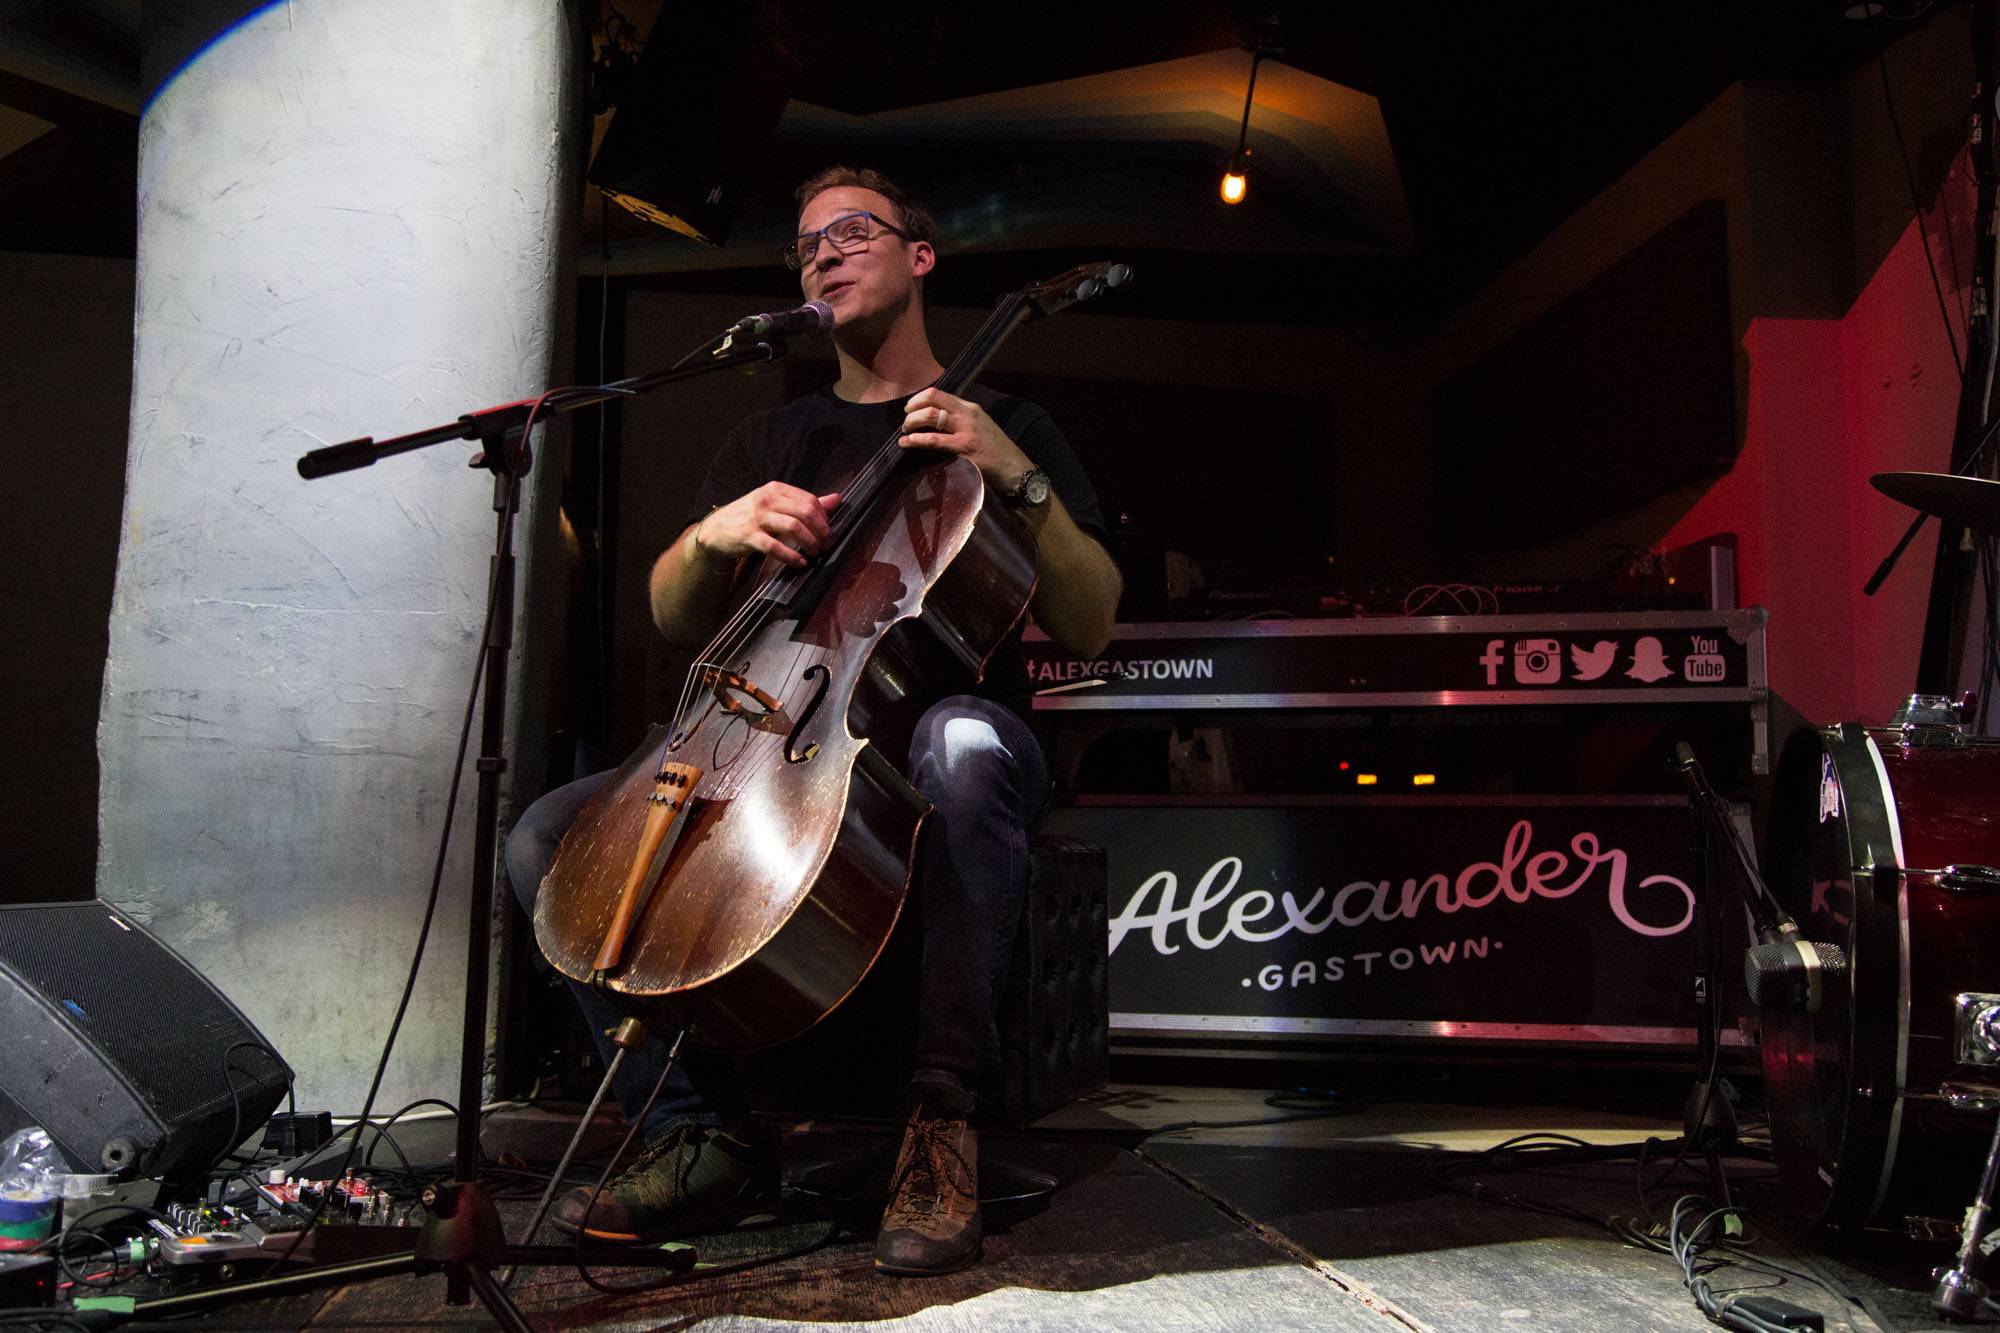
(932, 1224)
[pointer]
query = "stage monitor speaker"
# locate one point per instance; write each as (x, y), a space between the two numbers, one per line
(127, 1056)
(702, 105)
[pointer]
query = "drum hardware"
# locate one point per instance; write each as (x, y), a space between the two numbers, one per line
(1931, 1230)
(1956, 878)
(1922, 711)
(1965, 1096)
(1961, 879)
(1966, 502)
(1977, 1028)
(1960, 1294)
(1883, 1100)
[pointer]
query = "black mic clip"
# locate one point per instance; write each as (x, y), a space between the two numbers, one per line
(812, 317)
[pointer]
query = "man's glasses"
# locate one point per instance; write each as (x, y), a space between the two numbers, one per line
(848, 232)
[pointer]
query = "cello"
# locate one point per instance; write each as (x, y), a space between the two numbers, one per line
(741, 872)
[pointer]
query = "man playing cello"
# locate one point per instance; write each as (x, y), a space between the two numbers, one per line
(864, 247)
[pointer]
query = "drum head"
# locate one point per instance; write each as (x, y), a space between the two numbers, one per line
(1830, 1077)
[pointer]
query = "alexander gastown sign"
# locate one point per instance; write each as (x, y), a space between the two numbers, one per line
(1560, 919)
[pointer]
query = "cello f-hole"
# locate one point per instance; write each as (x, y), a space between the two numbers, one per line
(812, 706)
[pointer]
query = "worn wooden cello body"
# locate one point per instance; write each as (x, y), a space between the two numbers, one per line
(742, 871)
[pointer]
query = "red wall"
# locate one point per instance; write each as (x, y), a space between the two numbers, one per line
(1832, 402)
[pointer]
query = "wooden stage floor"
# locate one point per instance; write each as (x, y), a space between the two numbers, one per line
(1206, 1208)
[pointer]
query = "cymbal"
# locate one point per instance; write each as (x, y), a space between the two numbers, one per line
(1970, 502)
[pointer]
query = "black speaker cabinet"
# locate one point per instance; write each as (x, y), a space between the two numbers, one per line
(127, 1056)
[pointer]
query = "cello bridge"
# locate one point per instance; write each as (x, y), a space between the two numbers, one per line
(739, 696)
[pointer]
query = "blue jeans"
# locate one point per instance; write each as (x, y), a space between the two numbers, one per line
(975, 761)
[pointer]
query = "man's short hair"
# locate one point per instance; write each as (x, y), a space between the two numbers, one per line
(911, 217)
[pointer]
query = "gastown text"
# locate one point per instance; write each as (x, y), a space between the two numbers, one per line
(1308, 972)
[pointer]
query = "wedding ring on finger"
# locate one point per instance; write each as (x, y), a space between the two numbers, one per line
(941, 418)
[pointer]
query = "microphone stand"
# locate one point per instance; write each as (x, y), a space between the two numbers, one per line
(1709, 1121)
(463, 1236)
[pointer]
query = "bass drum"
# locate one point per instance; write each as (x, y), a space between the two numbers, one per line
(1882, 843)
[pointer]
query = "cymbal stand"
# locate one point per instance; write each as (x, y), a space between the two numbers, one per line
(1960, 1292)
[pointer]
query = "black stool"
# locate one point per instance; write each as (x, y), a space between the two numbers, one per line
(1055, 1043)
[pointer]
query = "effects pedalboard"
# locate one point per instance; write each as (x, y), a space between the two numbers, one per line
(358, 1221)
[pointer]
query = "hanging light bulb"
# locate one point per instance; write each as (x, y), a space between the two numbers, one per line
(1235, 177)
(1234, 183)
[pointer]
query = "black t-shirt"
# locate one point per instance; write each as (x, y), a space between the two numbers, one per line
(819, 442)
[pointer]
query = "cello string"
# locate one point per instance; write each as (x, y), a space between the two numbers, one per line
(759, 608)
(867, 482)
(954, 379)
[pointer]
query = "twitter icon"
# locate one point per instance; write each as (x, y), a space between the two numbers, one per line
(1591, 663)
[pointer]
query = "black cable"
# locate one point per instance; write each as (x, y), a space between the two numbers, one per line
(438, 1102)
(30, 1316)
(603, 582)
(1951, 246)
(108, 1279)
(382, 1130)
(1277, 1102)
(1538, 1148)
(1709, 1085)
(355, 1127)
(109, 1208)
(1717, 1306)
(1989, 657)
(502, 543)
(1917, 205)
(236, 1100)
(1686, 1251)
(75, 1226)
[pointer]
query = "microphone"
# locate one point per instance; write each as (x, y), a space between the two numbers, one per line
(812, 317)
(1793, 974)
(1784, 970)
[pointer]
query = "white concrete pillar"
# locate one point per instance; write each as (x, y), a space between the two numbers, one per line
(348, 225)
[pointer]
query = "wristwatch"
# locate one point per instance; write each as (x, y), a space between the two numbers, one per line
(1032, 489)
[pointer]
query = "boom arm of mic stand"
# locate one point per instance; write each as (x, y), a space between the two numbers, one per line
(1763, 904)
(502, 423)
